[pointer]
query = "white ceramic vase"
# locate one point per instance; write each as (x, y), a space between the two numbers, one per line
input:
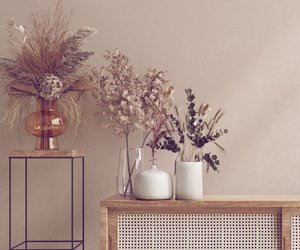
(153, 184)
(189, 181)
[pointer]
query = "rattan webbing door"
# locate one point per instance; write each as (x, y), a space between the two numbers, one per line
(199, 231)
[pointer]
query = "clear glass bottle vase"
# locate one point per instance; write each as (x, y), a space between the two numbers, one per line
(130, 161)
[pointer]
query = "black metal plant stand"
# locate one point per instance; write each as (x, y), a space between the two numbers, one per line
(28, 155)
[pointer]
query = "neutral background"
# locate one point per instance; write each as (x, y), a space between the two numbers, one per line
(243, 56)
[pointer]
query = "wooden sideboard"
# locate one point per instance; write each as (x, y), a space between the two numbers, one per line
(216, 222)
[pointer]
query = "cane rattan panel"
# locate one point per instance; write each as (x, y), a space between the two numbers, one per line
(199, 231)
(295, 232)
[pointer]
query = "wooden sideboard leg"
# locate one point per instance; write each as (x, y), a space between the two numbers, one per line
(104, 242)
(286, 228)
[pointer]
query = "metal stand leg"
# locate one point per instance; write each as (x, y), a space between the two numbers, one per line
(26, 204)
(72, 204)
(82, 203)
(9, 209)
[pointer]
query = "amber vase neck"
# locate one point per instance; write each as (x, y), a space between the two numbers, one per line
(43, 104)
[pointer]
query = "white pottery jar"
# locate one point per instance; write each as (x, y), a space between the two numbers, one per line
(153, 184)
(189, 182)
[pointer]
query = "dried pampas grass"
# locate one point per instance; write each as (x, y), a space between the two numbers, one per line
(46, 48)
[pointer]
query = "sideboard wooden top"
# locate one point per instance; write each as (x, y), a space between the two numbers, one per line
(207, 201)
(45, 153)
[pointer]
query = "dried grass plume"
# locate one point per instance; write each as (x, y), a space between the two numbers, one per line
(46, 55)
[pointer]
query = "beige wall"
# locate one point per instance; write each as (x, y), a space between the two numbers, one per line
(241, 55)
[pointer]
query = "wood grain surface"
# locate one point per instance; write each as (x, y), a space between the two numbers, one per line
(45, 153)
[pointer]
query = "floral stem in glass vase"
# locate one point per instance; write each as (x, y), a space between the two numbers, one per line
(128, 168)
(130, 162)
(137, 162)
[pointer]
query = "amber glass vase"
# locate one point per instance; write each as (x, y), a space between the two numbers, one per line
(46, 124)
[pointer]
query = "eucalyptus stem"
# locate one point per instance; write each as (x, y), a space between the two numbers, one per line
(152, 154)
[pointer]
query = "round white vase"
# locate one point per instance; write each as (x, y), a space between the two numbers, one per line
(153, 184)
(189, 181)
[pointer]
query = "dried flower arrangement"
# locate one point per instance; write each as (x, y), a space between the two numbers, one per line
(119, 97)
(48, 63)
(131, 103)
(188, 137)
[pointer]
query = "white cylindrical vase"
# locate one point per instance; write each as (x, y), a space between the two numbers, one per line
(189, 181)
(153, 184)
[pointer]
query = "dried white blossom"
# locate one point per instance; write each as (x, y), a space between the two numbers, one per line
(20, 28)
(49, 87)
(157, 97)
(11, 22)
(120, 94)
(131, 102)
